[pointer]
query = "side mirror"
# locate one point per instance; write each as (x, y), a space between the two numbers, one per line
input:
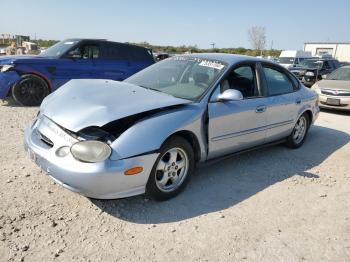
(230, 95)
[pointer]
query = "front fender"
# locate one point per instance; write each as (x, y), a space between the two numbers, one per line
(148, 135)
(7, 80)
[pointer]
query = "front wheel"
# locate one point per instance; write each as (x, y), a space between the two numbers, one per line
(172, 169)
(30, 90)
(298, 135)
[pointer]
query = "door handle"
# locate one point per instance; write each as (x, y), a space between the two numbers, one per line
(260, 109)
(298, 101)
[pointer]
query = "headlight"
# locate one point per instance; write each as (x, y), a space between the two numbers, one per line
(5, 68)
(91, 151)
(310, 74)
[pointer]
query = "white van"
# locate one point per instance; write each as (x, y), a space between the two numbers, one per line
(292, 58)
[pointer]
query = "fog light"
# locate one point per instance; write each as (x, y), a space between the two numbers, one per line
(133, 171)
(62, 151)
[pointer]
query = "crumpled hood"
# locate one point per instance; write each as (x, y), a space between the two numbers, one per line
(90, 102)
(334, 84)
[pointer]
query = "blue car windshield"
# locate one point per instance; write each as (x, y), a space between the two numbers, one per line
(59, 48)
(309, 63)
(180, 76)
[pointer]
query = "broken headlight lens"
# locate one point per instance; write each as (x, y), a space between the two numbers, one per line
(91, 151)
(5, 68)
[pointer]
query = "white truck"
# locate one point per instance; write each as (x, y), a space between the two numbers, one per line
(292, 58)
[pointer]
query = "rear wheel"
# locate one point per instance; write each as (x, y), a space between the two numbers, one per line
(172, 170)
(298, 135)
(30, 90)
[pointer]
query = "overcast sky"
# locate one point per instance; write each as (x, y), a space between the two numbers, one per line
(288, 23)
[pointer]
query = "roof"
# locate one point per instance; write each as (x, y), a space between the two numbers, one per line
(327, 43)
(227, 58)
(103, 40)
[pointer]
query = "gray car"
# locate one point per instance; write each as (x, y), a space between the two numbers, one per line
(107, 139)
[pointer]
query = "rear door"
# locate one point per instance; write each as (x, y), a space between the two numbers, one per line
(113, 62)
(237, 125)
(284, 100)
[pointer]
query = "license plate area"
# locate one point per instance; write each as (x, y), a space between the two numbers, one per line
(333, 101)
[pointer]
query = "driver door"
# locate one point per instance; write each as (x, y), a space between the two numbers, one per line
(77, 64)
(241, 124)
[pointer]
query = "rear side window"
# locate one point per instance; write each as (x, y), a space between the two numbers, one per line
(278, 82)
(116, 51)
(140, 54)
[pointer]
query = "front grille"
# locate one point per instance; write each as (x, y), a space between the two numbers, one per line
(45, 139)
(332, 92)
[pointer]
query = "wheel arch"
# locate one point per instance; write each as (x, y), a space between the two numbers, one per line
(308, 112)
(41, 76)
(192, 139)
(47, 81)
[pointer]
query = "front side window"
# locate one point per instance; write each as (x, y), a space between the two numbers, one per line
(86, 52)
(326, 65)
(180, 76)
(278, 82)
(242, 79)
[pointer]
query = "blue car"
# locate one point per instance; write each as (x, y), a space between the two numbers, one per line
(29, 79)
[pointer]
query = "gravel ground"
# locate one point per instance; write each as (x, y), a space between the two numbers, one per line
(274, 204)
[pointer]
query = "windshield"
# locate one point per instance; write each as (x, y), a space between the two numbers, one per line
(179, 76)
(286, 60)
(311, 64)
(340, 74)
(59, 48)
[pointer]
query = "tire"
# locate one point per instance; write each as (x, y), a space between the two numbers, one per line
(297, 138)
(30, 90)
(168, 176)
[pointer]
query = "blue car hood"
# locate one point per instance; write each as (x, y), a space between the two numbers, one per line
(16, 59)
(86, 102)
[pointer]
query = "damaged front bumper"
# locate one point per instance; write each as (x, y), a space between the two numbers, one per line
(7, 80)
(103, 180)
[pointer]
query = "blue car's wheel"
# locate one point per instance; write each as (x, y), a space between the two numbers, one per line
(30, 90)
(172, 170)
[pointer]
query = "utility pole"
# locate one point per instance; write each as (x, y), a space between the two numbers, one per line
(213, 45)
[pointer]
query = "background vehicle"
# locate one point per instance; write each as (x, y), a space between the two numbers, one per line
(28, 79)
(21, 46)
(312, 70)
(292, 58)
(334, 91)
(146, 134)
(160, 56)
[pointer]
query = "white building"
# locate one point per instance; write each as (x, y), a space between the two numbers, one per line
(340, 51)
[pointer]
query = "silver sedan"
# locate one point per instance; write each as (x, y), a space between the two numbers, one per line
(106, 139)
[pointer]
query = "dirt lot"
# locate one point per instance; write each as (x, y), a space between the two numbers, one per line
(274, 204)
